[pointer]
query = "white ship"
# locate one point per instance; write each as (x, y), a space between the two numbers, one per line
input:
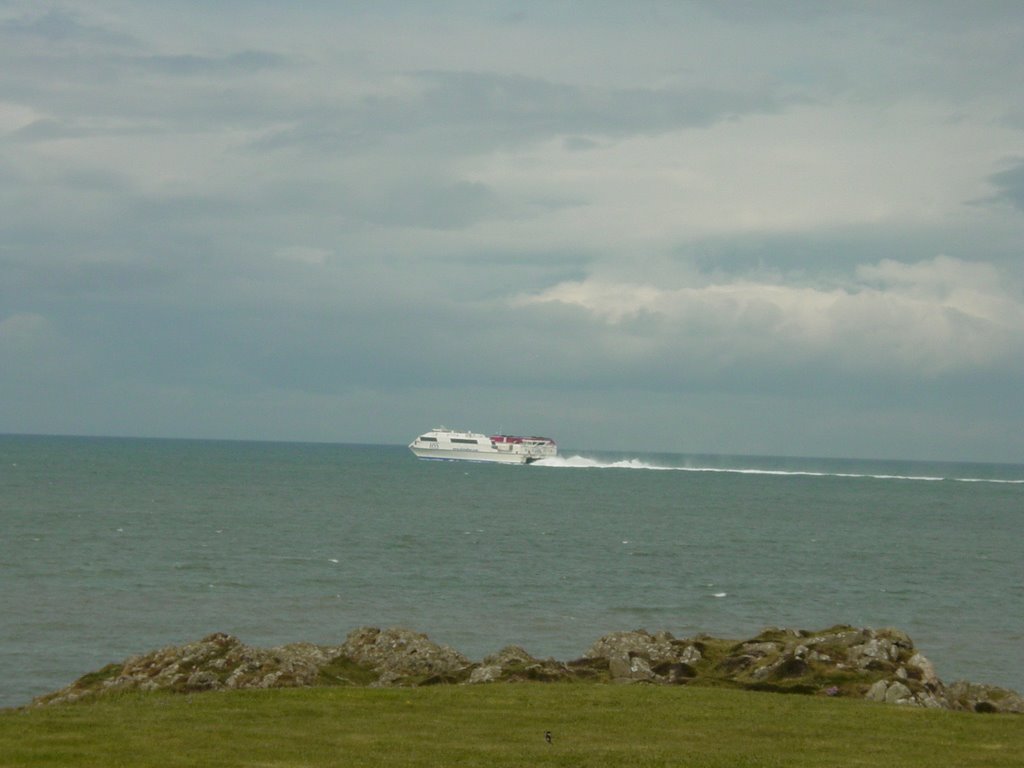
(445, 444)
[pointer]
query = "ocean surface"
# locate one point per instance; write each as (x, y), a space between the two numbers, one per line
(113, 547)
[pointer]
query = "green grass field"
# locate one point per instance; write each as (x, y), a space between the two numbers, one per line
(502, 725)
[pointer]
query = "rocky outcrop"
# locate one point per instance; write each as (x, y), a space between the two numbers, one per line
(512, 664)
(880, 664)
(877, 664)
(984, 698)
(642, 657)
(401, 657)
(217, 662)
(220, 662)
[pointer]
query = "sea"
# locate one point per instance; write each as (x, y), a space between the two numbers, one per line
(111, 547)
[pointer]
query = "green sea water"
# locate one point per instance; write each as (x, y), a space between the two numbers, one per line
(111, 547)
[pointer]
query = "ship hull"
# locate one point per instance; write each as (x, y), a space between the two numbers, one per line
(455, 454)
(442, 444)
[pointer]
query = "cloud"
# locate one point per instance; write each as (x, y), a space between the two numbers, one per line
(248, 62)
(474, 112)
(423, 201)
(926, 319)
(1009, 184)
(585, 209)
(35, 357)
(58, 26)
(22, 330)
(304, 254)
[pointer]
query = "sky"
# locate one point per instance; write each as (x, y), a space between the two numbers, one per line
(786, 228)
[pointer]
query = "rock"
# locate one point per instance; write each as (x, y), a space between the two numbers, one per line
(625, 668)
(877, 691)
(656, 648)
(216, 662)
(203, 680)
(932, 700)
(840, 636)
(925, 670)
(485, 674)
(760, 650)
(403, 656)
(510, 655)
(977, 697)
(633, 656)
(907, 693)
(880, 665)
(676, 672)
(493, 668)
(898, 693)
(513, 664)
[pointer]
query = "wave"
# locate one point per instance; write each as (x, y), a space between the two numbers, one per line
(584, 462)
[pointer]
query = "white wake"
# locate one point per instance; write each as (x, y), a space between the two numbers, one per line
(584, 462)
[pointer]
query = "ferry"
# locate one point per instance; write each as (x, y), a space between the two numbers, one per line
(443, 444)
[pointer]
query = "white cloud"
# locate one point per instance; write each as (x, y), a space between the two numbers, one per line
(805, 169)
(23, 330)
(928, 318)
(975, 289)
(14, 116)
(304, 254)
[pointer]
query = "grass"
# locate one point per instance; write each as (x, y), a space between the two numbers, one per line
(502, 725)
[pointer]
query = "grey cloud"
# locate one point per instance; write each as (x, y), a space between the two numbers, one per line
(84, 78)
(830, 253)
(444, 205)
(53, 129)
(579, 144)
(560, 108)
(247, 62)
(57, 26)
(452, 111)
(249, 219)
(1010, 186)
(47, 129)
(554, 348)
(946, 15)
(475, 110)
(112, 95)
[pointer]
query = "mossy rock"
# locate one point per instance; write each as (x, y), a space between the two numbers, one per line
(344, 671)
(96, 679)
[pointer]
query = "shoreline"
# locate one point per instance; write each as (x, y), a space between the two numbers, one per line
(880, 665)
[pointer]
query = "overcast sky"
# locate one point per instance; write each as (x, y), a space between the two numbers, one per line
(773, 228)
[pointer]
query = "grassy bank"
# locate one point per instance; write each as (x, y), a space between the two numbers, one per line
(502, 725)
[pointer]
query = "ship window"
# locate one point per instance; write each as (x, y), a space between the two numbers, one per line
(463, 440)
